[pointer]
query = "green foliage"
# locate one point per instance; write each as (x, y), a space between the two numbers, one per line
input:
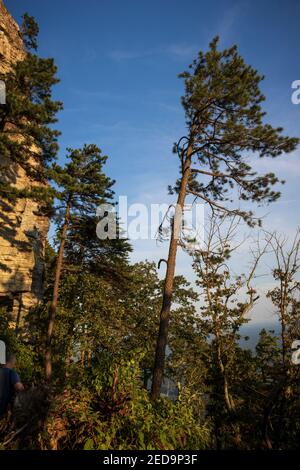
(268, 354)
(113, 411)
(29, 30)
(225, 119)
(27, 137)
(97, 312)
(82, 186)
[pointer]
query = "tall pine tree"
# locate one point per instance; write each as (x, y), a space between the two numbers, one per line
(82, 187)
(225, 122)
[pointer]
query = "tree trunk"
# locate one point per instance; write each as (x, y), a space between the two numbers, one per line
(227, 397)
(53, 306)
(161, 344)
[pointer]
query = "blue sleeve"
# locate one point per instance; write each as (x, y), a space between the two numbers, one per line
(14, 378)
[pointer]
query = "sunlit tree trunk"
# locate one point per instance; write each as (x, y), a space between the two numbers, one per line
(162, 339)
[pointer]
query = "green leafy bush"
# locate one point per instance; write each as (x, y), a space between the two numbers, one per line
(112, 410)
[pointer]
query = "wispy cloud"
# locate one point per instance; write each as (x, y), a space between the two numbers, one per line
(181, 50)
(176, 50)
(103, 95)
(128, 54)
(285, 166)
(230, 19)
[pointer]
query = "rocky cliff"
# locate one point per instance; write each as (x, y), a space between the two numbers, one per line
(23, 231)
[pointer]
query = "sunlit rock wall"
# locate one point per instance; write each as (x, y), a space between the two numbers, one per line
(23, 231)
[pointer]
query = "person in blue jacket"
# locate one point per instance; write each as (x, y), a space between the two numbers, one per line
(10, 383)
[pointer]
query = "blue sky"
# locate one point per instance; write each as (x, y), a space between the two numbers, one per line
(118, 63)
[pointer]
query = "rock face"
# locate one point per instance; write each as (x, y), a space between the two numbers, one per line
(23, 231)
